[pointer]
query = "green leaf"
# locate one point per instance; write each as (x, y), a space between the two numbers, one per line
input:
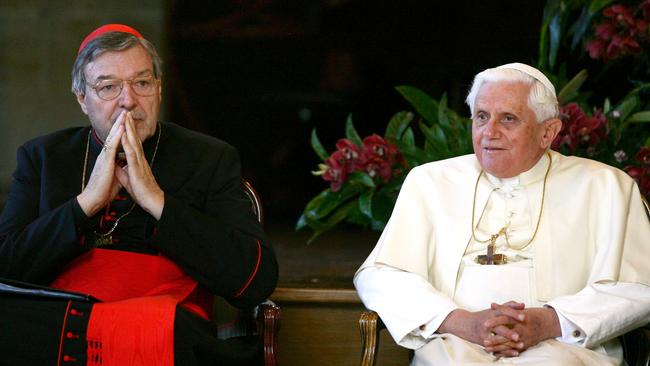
(413, 154)
(426, 106)
(551, 9)
(643, 116)
(637, 90)
(570, 89)
(356, 217)
(555, 31)
(317, 146)
(351, 132)
(627, 106)
(365, 203)
(435, 136)
(408, 137)
(327, 201)
(596, 5)
(607, 106)
(302, 222)
(647, 142)
(361, 179)
(443, 117)
(580, 26)
(393, 187)
(382, 207)
(397, 125)
(338, 216)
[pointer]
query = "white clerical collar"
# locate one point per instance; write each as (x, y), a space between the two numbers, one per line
(532, 175)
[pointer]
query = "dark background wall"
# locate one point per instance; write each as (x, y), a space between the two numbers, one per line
(261, 74)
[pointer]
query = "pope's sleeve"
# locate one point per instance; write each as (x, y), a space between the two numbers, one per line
(35, 246)
(393, 281)
(607, 308)
(222, 246)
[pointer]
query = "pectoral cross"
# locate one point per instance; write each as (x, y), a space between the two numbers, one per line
(101, 241)
(490, 258)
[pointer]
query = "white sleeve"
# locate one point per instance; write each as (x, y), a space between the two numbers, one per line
(410, 307)
(602, 311)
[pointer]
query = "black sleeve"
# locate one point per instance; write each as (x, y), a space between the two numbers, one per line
(35, 246)
(221, 245)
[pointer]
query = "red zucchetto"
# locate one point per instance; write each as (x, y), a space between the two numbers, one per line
(108, 28)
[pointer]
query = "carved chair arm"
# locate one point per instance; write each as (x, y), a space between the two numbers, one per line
(370, 325)
(268, 325)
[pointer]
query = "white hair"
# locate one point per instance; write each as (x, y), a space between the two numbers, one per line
(541, 99)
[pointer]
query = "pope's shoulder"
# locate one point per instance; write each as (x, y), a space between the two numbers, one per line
(454, 169)
(588, 169)
(460, 168)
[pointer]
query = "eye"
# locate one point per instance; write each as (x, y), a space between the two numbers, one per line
(481, 117)
(143, 83)
(509, 119)
(108, 85)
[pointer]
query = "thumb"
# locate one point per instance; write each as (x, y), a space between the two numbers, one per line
(122, 177)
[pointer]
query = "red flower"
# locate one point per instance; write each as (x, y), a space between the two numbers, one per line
(621, 14)
(605, 31)
(621, 33)
(643, 156)
(375, 145)
(350, 155)
(588, 131)
(382, 156)
(336, 173)
(596, 49)
(377, 158)
(621, 46)
(642, 177)
(376, 166)
(579, 130)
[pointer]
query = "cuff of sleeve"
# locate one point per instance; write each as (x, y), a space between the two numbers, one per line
(571, 333)
(428, 329)
(80, 219)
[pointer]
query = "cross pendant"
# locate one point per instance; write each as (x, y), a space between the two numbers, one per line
(490, 258)
(101, 241)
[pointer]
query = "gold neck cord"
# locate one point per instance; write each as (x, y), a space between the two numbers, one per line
(83, 180)
(502, 231)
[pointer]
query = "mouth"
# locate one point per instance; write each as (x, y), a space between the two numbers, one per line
(492, 148)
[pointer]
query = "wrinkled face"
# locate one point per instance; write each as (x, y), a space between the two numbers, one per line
(506, 136)
(131, 63)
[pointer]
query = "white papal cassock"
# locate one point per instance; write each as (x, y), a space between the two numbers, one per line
(589, 259)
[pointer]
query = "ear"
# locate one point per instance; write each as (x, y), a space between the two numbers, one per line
(81, 99)
(551, 128)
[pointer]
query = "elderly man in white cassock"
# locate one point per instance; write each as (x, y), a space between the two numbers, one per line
(515, 253)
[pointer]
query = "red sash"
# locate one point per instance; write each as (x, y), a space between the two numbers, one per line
(135, 323)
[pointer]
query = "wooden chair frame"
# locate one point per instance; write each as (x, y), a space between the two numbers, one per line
(268, 314)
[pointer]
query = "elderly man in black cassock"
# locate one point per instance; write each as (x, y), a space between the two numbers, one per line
(148, 217)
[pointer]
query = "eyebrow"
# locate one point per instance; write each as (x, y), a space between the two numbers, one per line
(138, 74)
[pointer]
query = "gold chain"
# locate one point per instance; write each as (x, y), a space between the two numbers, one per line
(83, 180)
(503, 229)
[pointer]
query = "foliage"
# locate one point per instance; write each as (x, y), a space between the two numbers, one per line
(581, 36)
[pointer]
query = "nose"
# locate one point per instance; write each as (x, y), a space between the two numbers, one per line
(492, 128)
(127, 97)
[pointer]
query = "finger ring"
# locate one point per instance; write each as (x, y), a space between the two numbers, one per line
(106, 147)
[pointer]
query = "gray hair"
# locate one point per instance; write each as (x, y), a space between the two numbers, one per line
(111, 41)
(541, 100)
